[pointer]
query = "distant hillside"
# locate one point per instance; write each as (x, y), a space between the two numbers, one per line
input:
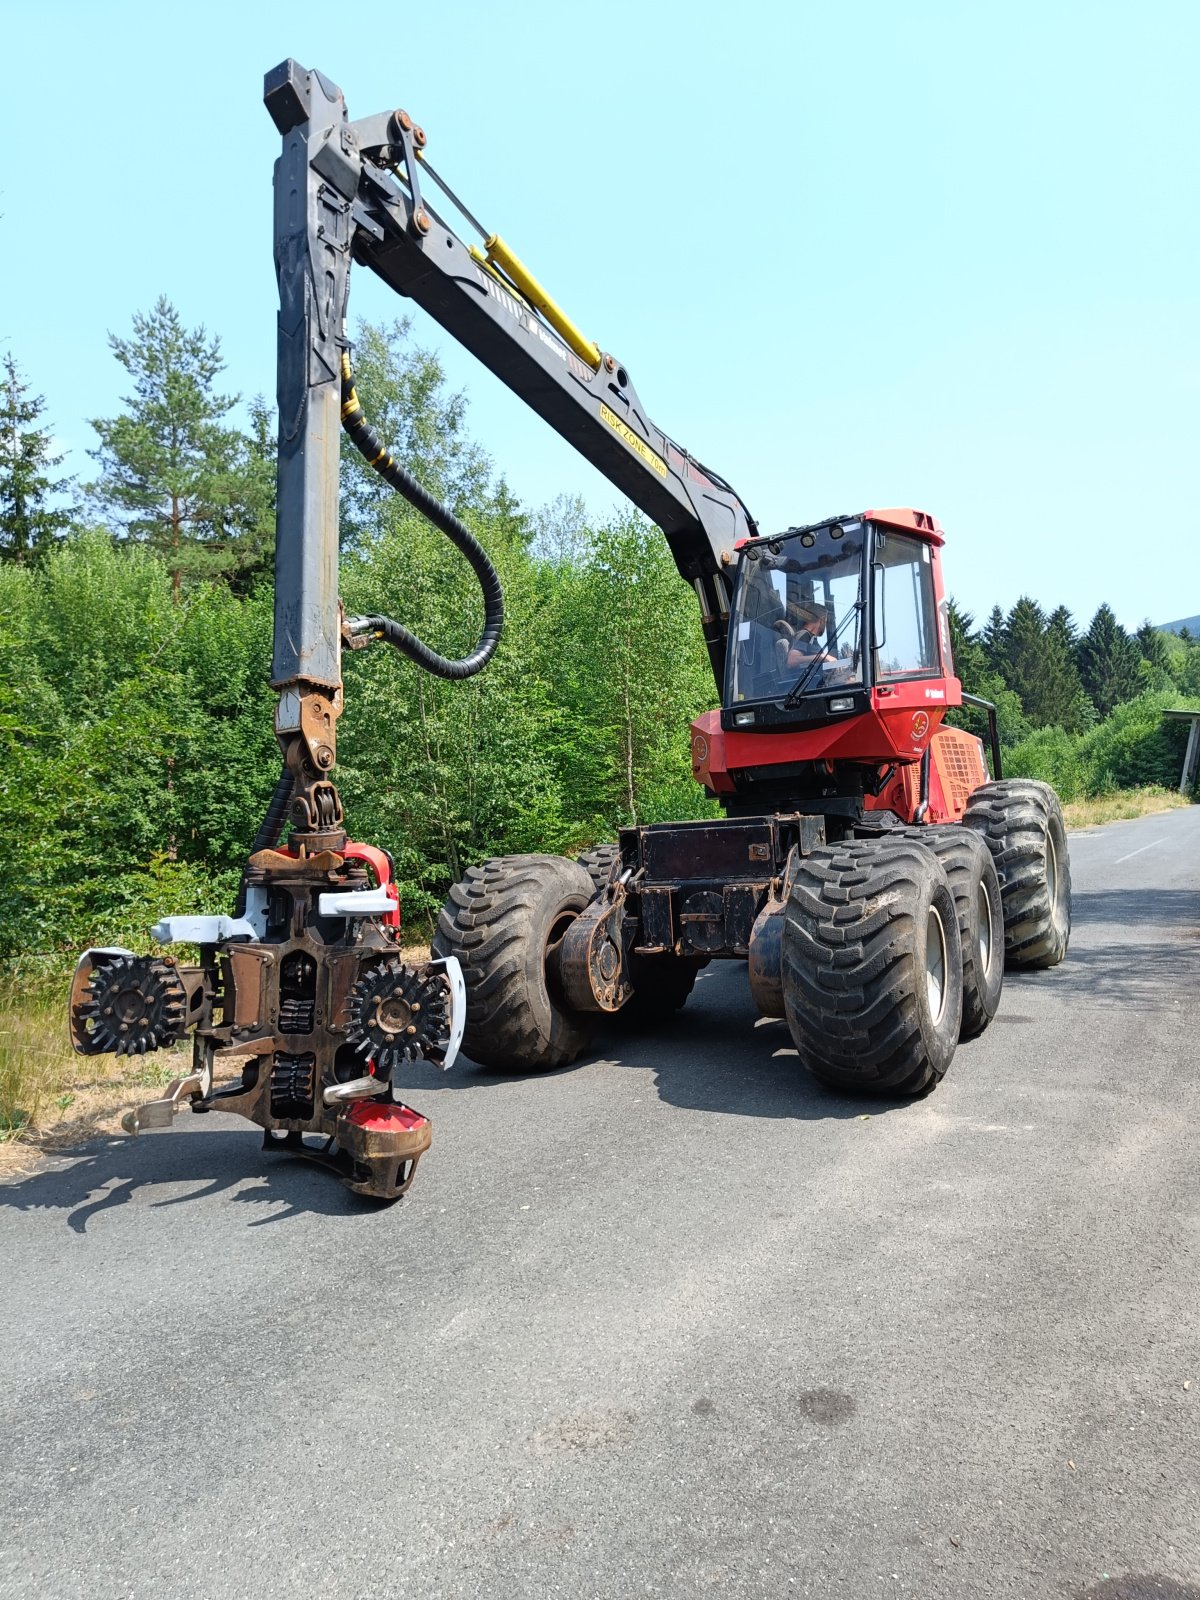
(1192, 624)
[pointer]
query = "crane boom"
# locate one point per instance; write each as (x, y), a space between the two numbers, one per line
(366, 183)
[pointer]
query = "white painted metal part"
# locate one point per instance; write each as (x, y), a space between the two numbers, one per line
(202, 930)
(458, 1006)
(356, 903)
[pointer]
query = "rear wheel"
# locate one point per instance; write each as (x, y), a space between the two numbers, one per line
(1021, 822)
(971, 875)
(872, 966)
(504, 922)
(598, 863)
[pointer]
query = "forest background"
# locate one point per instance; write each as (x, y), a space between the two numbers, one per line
(135, 642)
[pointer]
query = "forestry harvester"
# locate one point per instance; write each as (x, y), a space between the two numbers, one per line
(870, 873)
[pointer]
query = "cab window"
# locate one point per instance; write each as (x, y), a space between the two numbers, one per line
(905, 614)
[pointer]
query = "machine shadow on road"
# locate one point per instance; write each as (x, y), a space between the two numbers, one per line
(107, 1173)
(717, 1054)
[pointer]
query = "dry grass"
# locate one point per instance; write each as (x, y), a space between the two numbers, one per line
(51, 1098)
(1121, 807)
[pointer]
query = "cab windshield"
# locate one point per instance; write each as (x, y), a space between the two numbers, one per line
(797, 616)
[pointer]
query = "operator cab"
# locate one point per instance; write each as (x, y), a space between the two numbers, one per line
(823, 615)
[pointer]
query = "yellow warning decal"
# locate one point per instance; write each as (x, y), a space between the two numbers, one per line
(639, 446)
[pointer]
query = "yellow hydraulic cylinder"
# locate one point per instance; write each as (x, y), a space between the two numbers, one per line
(501, 256)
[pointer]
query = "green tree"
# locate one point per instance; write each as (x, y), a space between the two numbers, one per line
(632, 673)
(978, 678)
(992, 639)
(32, 513)
(1156, 658)
(1038, 666)
(174, 473)
(1108, 662)
(1023, 655)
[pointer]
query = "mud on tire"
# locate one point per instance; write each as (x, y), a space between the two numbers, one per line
(1021, 822)
(971, 874)
(872, 966)
(500, 921)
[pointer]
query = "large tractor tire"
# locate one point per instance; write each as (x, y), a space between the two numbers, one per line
(872, 966)
(971, 874)
(598, 863)
(503, 921)
(1021, 822)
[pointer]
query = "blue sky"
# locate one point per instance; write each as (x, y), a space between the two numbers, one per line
(942, 255)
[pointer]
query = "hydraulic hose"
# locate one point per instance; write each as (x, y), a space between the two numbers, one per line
(369, 445)
(269, 829)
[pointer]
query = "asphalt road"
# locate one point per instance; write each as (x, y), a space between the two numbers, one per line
(673, 1322)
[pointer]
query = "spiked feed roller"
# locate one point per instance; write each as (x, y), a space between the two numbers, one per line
(129, 1005)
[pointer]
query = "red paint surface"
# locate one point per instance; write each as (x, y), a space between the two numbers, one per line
(377, 1118)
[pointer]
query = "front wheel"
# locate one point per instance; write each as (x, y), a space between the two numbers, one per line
(971, 874)
(1021, 822)
(504, 921)
(872, 966)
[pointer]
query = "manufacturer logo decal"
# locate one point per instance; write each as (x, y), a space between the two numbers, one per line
(699, 749)
(920, 724)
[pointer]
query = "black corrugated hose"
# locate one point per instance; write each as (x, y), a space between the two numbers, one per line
(269, 829)
(369, 445)
(376, 454)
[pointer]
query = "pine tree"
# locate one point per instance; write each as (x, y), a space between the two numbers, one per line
(1023, 654)
(1061, 623)
(1152, 645)
(992, 639)
(1037, 666)
(970, 660)
(174, 474)
(1065, 701)
(30, 521)
(1108, 662)
(254, 511)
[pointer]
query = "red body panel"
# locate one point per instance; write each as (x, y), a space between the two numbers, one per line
(904, 720)
(381, 866)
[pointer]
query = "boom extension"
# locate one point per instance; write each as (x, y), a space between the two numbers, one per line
(366, 195)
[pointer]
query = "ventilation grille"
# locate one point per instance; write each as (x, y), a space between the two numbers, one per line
(960, 766)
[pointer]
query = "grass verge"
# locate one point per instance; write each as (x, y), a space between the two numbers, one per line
(1122, 806)
(50, 1098)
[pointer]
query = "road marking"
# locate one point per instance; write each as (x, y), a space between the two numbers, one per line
(1136, 852)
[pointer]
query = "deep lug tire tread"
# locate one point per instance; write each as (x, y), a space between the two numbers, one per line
(854, 977)
(598, 862)
(1014, 817)
(496, 921)
(966, 859)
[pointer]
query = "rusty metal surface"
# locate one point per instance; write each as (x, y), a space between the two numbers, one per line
(316, 1003)
(764, 963)
(591, 963)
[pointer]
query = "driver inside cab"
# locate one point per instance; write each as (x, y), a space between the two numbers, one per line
(804, 627)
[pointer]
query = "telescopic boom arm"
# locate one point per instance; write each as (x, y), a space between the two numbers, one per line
(357, 190)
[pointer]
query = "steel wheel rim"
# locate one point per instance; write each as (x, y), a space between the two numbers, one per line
(936, 963)
(983, 908)
(1051, 871)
